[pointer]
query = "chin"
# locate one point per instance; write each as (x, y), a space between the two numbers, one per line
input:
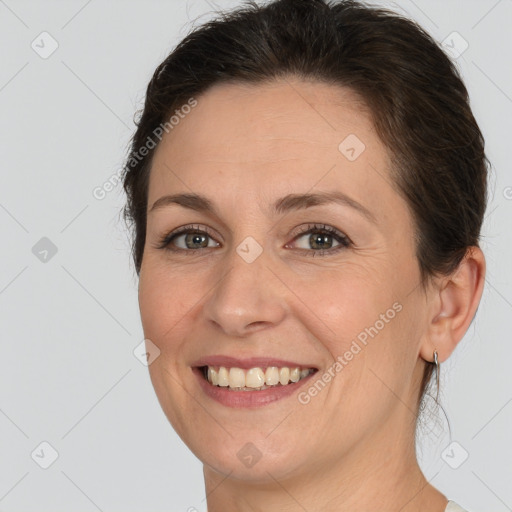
(258, 461)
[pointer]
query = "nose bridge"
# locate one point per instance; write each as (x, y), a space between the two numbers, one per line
(248, 292)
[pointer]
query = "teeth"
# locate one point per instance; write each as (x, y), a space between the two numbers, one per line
(213, 376)
(223, 377)
(284, 376)
(255, 378)
(236, 378)
(295, 375)
(272, 375)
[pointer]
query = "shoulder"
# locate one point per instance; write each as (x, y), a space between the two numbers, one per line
(453, 507)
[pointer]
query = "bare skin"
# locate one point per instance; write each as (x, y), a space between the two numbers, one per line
(351, 446)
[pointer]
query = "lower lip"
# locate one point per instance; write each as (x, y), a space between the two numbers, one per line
(237, 399)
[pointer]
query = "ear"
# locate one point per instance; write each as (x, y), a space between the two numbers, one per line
(454, 303)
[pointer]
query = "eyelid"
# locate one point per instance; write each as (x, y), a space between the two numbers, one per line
(318, 226)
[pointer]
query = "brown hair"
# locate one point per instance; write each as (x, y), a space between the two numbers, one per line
(418, 101)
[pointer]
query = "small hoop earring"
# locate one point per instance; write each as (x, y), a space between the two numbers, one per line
(436, 362)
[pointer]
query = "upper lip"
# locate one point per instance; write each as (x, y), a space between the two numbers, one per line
(247, 363)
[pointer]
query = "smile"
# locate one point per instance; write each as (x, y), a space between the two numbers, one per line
(250, 382)
(254, 379)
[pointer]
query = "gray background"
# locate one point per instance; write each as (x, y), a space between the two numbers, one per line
(70, 320)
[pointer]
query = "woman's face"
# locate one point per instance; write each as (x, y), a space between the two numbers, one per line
(265, 286)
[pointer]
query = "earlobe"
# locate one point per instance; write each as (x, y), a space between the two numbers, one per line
(458, 297)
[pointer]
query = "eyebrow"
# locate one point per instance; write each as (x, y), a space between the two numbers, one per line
(284, 204)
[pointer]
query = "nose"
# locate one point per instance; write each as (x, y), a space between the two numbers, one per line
(248, 296)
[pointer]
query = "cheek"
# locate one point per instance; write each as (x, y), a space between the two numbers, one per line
(349, 299)
(164, 299)
(366, 327)
(163, 306)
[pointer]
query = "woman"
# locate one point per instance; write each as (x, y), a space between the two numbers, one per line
(275, 133)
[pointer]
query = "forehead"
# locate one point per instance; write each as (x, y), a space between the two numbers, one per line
(267, 140)
(288, 117)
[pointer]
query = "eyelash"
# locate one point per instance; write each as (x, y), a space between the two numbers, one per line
(344, 241)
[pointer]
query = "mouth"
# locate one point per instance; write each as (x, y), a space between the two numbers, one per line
(249, 383)
(254, 379)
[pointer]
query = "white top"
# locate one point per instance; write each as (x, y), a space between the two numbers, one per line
(453, 507)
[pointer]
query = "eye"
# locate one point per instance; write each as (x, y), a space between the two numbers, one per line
(320, 238)
(191, 237)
